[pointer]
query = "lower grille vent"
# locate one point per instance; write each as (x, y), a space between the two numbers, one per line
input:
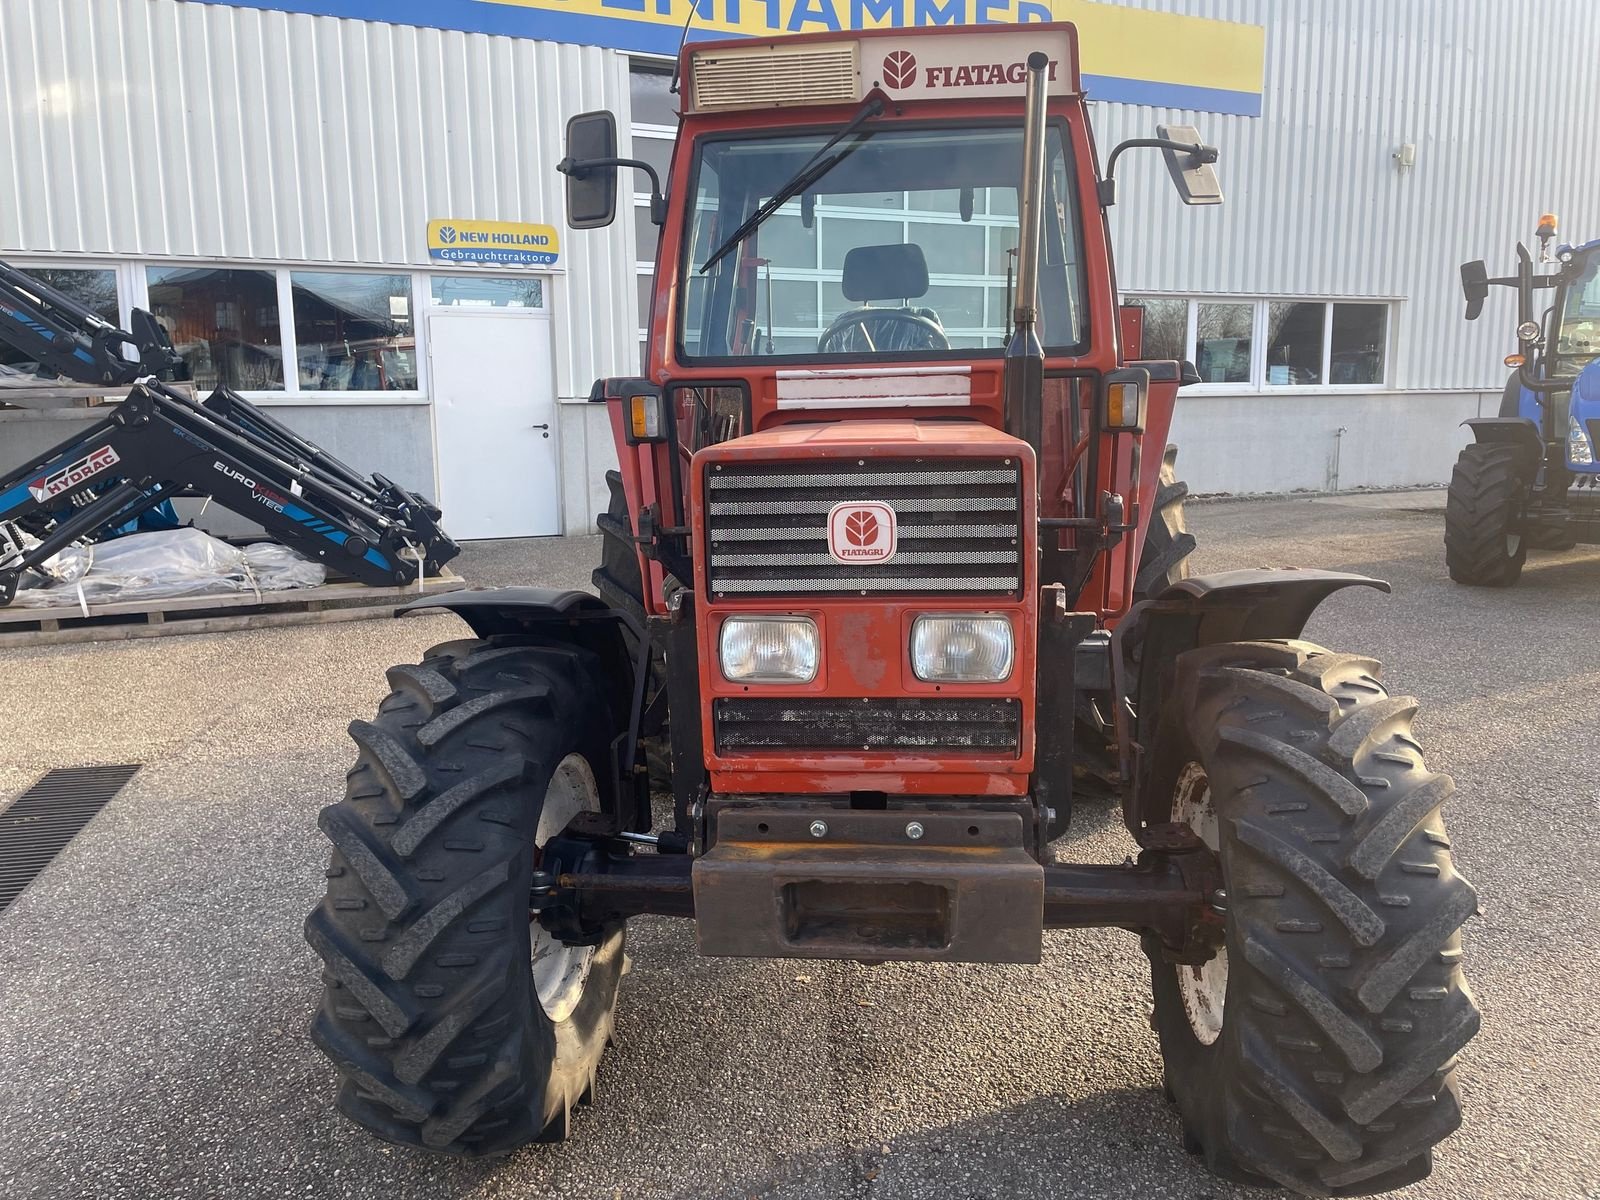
(889, 723)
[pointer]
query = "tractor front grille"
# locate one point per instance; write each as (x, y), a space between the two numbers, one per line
(876, 723)
(959, 527)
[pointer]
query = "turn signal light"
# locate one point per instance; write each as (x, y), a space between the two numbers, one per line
(1515, 360)
(646, 416)
(1122, 405)
(1124, 395)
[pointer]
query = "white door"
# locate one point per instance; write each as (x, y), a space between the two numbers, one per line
(494, 412)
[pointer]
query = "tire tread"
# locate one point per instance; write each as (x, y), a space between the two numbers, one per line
(431, 859)
(1482, 506)
(1347, 1007)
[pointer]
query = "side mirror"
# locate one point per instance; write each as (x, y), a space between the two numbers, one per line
(591, 170)
(1189, 163)
(1187, 375)
(1475, 287)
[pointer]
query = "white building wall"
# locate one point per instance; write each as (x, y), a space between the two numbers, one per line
(1502, 102)
(156, 129)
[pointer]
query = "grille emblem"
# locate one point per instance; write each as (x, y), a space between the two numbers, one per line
(861, 532)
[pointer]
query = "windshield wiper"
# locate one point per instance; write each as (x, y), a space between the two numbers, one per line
(815, 168)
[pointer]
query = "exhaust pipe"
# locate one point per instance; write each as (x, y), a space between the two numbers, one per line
(1024, 361)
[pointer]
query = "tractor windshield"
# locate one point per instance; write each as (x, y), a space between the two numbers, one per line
(1578, 335)
(904, 248)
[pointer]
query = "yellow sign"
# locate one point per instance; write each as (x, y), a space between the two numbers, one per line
(502, 243)
(1130, 55)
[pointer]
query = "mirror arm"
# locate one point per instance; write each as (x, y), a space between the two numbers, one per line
(577, 168)
(1108, 186)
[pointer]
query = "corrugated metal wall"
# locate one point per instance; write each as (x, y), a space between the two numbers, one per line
(163, 129)
(1503, 104)
(159, 128)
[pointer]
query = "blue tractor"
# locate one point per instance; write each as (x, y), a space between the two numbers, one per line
(1530, 479)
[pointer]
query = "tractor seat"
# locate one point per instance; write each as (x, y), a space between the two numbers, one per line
(893, 272)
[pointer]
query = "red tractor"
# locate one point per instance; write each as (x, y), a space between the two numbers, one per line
(872, 613)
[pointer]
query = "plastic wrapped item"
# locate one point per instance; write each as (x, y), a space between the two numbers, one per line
(164, 564)
(277, 568)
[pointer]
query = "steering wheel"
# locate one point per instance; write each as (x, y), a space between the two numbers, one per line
(897, 330)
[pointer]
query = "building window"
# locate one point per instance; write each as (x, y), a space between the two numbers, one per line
(224, 322)
(486, 291)
(1296, 331)
(653, 130)
(95, 288)
(1302, 343)
(353, 333)
(1356, 354)
(1166, 327)
(1223, 337)
(650, 93)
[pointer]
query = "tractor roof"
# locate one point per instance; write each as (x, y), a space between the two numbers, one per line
(950, 63)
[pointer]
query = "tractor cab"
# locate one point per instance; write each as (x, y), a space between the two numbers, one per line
(843, 242)
(1574, 351)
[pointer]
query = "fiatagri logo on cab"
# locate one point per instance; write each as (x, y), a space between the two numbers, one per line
(900, 71)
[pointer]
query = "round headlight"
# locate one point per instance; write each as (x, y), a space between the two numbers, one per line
(962, 649)
(1528, 331)
(769, 649)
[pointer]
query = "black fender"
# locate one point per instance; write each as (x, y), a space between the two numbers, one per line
(1518, 432)
(1230, 606)
(577, 617)
(550, 615)
(519, 609)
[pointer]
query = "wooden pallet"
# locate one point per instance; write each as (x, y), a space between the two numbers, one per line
(216, 613)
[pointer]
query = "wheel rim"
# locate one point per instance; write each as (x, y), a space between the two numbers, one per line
(1204, 988)
(560, 971)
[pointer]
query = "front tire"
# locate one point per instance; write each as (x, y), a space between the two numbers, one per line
(457, 1024)
(1318, 1050)
(1484, 544)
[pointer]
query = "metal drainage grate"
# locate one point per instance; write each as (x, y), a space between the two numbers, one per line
(47, 816)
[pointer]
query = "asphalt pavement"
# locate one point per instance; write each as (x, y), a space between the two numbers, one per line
(155, 990)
